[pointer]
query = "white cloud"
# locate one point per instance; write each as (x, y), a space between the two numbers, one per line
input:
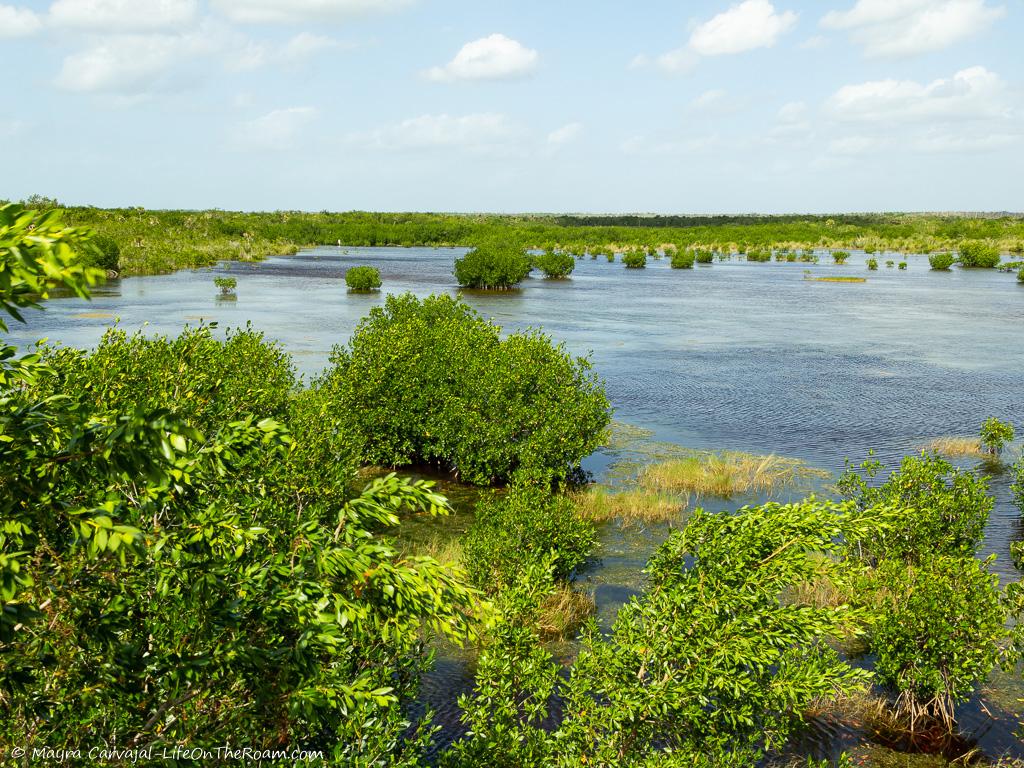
(480, 132)
(708, 99)
(857, 145)
(743, 27)
(123, 15)
(495, 57)
(274, 131)
(908, 27)
(305, 45)
(971, 94)
(751, 24)
(134, 65)
(18, 22)
(565, 134)
(295, 11)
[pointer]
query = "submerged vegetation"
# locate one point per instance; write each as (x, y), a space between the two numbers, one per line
(955, 447)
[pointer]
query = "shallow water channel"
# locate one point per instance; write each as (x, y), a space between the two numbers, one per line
(733, 355)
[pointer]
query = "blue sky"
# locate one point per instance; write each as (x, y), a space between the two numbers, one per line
(438, 105)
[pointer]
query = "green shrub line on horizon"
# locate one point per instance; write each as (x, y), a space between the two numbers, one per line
(155, 241)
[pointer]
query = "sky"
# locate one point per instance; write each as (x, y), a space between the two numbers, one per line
(769, 106)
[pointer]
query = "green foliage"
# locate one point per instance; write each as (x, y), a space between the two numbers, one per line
(840, 257)
(555, 265)
(104, 254)
(974, 253)
(492, 267)
(37, 253)
(709, 668)
(902, 265)
(938, 631)
(943, 510)
(431, 381)
(941, 261)
(227, 285)
(683, 260)
(704, 256)
(872, 264)
(995, 434)
(362, 279)
(634, 259)
(522, 526)
(1020, 275)
(163, 584)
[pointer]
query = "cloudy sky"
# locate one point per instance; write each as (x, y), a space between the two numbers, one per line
(453, 105)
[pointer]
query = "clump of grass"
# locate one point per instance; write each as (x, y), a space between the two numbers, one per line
(727, 474)
(956, 447)
(837, 279)
(447, 550)
(563, 612)
(632, 505)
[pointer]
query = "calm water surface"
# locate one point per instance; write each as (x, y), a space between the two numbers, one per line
(733, 355)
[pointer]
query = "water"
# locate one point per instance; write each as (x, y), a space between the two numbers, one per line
(734, 355)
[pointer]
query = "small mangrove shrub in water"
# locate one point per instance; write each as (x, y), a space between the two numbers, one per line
(634, 259)
(975, 253)
(890, 264)
(362, 279)
(555, 265)
(682, 260)
(227, 285)
(902, 265)
(995, 434)
(495, 267)
(840, 257)
(941, 261)
(704, 257)
(872, 264)
(431, 381)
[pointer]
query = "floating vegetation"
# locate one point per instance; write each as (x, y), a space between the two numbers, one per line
(93, 315)
(602, 504)
(728, 474)
(955, 447)
(837, 279)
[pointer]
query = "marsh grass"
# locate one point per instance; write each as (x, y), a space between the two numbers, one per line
(954, 447)
(447, 550)
(728, 474)
(632, 505)
(563, 612)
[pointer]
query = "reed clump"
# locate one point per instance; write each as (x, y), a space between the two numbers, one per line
(563, 612)
(632, 505)
(956, 447)
(727, 474)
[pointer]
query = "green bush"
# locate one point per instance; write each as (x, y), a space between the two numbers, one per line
(1020, 275)
(943, 510)
(362, 279)
(525, 525)
(704, 257)
(493, 267)
(872, 264)
(941, 261)
(170, 584)
(634, 259)
(840, 257)
(937, 633)
(227, 285)
(975, 253)
(555, 265)
(103, 253)
(995, 434)
(902, 265)
(431, 381)
(1018, 484)
(683, 260)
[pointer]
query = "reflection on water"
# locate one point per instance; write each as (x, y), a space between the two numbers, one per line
(734, 355)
